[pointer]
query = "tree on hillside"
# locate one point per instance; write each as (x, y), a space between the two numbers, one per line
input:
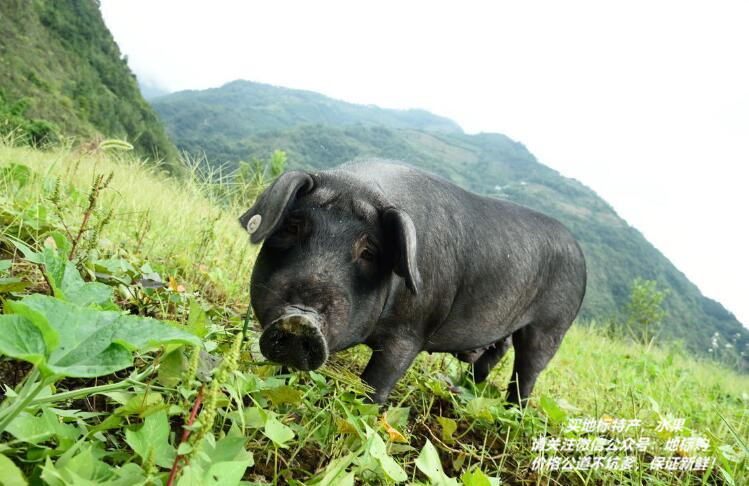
(644, 312)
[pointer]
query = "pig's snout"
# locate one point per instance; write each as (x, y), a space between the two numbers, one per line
(296, 338)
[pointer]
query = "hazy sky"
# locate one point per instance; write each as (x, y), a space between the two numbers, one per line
(647, 102)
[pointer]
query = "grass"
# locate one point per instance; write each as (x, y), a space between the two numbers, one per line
(171, 221)
(312, 428)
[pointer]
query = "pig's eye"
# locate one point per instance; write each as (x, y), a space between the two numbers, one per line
(289, 234)
(365, 252)
(290, 229)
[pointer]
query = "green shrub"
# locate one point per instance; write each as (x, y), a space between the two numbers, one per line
(644, 312)
(22, 130)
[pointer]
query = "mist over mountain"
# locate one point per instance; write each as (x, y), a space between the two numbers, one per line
(151, 89)
(242, 120)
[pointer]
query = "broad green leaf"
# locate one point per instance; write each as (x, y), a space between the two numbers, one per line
(152, 440)
(230, 449)
(10, 474)
(118, 396)
(52, 476)
(18, 173)
(276, 431)
(228, 472)
(482, 407)
(376, 448)
(346, 480)
(49, 334)
(66, 434)
(254, 418)
(218, 463)
(552, 410)
(335, 470)
(128, 475)
(67, 283)
(73, 413)
(64, 246)
(283, 394)
(137, 332)
(171, 368)
(114, 266)
(91, 361)
(21, 339)
(70, 286)
(184, 449)
(86, 293)
(5, 265)
(83, 342)
(12, 284)
(85, 466)
(398, 416)
(197, 320)
(111, 422)
(30, 428)
(82, 469)
(192, 475)
(430, 464)
(28, 253)
(449, 426)
(344, 426)
(142, 404)
(475, 478)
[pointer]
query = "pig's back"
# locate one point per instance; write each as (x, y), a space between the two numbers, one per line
(491, 259)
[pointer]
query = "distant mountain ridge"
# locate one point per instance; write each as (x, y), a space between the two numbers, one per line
(241, 108)
(241, 120)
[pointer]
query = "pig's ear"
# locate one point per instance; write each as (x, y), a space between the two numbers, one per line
(400, 234)
(262, 219)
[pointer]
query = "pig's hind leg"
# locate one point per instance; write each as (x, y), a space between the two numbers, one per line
(535, 345)
(489, 359)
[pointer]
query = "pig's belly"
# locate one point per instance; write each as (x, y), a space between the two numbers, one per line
(465, 336)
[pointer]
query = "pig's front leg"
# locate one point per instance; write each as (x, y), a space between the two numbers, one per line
(389, 362)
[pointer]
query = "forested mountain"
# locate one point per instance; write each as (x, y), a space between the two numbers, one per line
(242, 120)
(222, 118)
(60, 64)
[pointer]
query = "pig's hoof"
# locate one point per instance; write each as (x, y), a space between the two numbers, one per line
(374, 400)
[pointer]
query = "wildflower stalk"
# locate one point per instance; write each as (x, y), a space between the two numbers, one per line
(227, 367)
(192, 369)
(186, 435)
(100, 183)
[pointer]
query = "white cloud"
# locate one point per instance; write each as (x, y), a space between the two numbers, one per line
(645, 102)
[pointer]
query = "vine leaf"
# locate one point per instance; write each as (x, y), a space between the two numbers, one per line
(151, 440)
(63, 339)
(429, 463)
(62, 275)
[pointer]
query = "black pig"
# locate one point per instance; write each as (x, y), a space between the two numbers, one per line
(403, 261)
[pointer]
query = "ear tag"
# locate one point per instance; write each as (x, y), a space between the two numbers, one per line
(254, 223)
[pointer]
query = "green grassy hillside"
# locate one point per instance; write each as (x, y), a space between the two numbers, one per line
(60, 58)
(243, 120)
(171, 250)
